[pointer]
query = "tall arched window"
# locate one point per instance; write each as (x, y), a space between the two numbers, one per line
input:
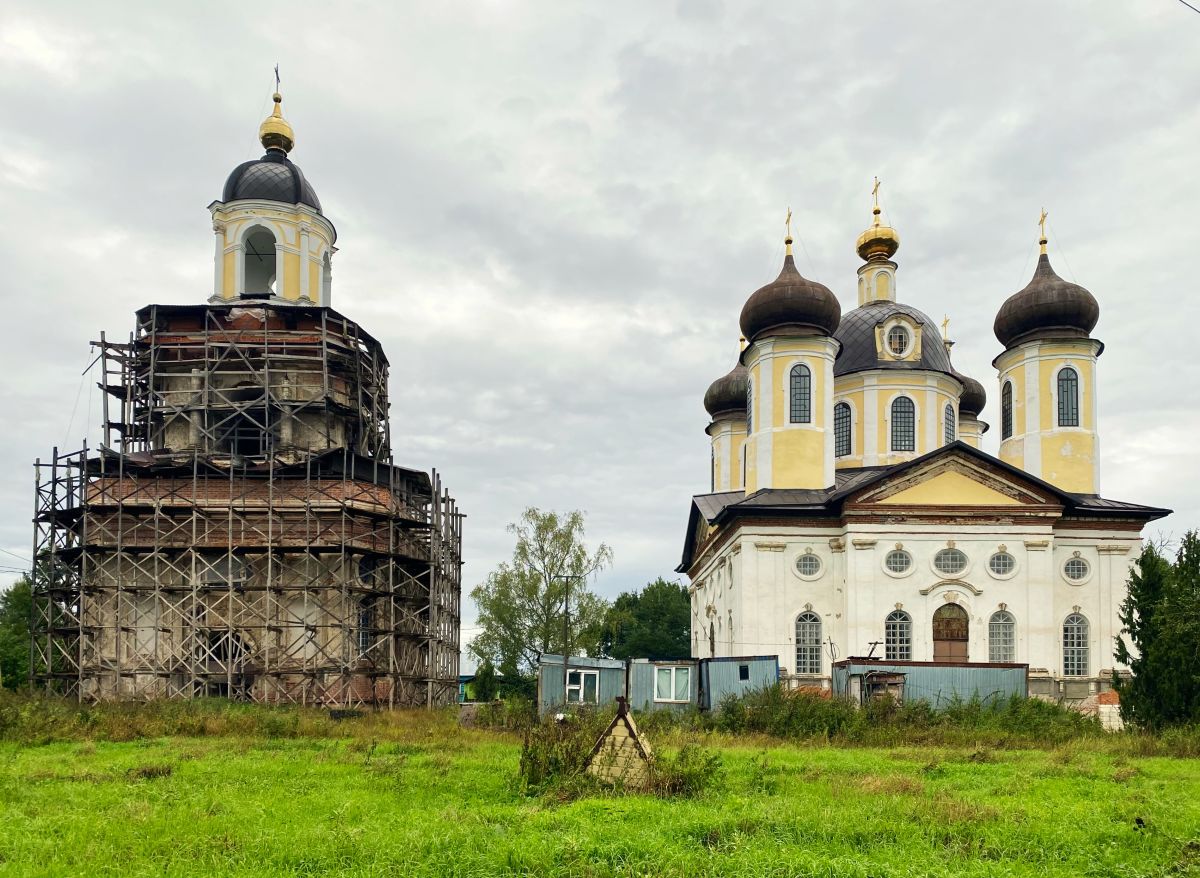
(1002, 637)
(808, 643)
(1006, 410)
(842, 445)
(749, 407)
(258, 261)
(1075, 646)
(949, 423)
(904, 424)
(1068, 397)
(801, 392)
(897, 636)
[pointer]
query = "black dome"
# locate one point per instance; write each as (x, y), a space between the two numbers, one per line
(973, 398)
(274, 177)
(790, 305)
(1048, 307)
(727, 395)
(857, 335)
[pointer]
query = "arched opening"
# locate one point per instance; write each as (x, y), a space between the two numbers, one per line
(801, 392)
(808, 643)
(1006, 410)
(258, 260)
(904, 424)
(951, 631)
(842, 445)
(712, 639)
(897, 636)
(326, 280)
(1068, 397)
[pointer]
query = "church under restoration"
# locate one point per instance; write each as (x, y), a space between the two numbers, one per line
(242, 531)
(851, 511)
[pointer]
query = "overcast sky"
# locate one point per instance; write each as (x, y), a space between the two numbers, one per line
(551, 214)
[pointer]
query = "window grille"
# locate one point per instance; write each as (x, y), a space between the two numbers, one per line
(1002, 637)
(841, 430)
(808, 643)
(1068, 398)
(904, 424)
(1002, 563)
(801, 386)
(1075, 646)
(1076, 569)
(749, 407)
(897, 636)
(898, 561)
(898, 340)
(808, 564)
(1006, 406)
(950, 562)
(949, 424)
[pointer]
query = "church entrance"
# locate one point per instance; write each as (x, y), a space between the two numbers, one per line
(950, 630)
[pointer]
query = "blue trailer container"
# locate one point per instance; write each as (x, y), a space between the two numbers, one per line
(935, 682)
(663, 685)
(595, 681)
(735, 675)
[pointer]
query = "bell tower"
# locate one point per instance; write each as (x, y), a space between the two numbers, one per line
(272, 240)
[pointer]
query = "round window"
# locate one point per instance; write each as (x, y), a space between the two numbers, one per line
(898, 340)
(1076, 569)
(1002, 564)
(949, 562)
(898, 561)
(808, 564)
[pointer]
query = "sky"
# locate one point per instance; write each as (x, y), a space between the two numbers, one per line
(550, 214)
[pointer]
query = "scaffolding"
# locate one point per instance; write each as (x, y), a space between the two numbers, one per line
(247, 534)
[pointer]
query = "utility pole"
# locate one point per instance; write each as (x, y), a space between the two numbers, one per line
(566, 578)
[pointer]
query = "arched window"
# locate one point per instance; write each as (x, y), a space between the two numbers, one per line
(1075, 646)
(897, 636)
(842, 446)
(801, 387)
(326, 280)
(1002, 637)
(366, 624)
(1068, 397)
(904, 424)
(808, 643)
(949, 423)
(712, 639)
(258, 260)
(1006, 410)
(749, 407)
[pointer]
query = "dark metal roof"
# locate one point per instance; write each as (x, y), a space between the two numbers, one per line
(274, 177)
(726, 505)
(790, 305)
(859, 352)
(973, 398)
(727, 395)
(1048, 307)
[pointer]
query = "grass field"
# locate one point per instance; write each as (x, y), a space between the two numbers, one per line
(416, 795)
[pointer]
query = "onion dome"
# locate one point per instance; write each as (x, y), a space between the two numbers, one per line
(860, 351)
(973, 396)
(1048, 307)
(274, 177)
(727, 395)
(877, 242)
(790, 305)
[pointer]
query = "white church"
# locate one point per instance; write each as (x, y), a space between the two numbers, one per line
(852, 513)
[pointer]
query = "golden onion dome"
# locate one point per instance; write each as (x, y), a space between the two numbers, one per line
(878, 242)
(275, 132)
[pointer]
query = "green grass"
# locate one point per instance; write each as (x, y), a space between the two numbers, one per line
(413, 794)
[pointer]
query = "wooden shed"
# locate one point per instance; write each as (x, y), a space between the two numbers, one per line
(621, 755)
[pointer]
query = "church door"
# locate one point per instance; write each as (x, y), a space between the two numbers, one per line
(950, 630)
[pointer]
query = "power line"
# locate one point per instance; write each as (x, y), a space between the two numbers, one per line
(1189, 6)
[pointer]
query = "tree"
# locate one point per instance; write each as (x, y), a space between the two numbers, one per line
(15, 606)
(521, 603)
(653, 624)
(1161, 615)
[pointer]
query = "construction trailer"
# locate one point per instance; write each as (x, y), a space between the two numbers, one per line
(242, 531)
(938, 683)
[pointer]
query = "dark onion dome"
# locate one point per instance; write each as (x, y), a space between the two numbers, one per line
(973, 396)
(1048, 307)
(790, 305)
(859, 352)
(274, 177)
(727, 395)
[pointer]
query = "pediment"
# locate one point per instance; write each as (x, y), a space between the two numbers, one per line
(954, 480)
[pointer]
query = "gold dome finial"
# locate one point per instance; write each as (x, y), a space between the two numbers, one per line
(879, 241)
(1042, 226)
(275, 132)
(787, 241)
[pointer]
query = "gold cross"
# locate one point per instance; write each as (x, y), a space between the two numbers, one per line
(276, 77)
(946, 327)
(1042, 221)
(875, 192)
(788, 222)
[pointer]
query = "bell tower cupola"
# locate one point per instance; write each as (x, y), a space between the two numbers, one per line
(272, 239)
(876, 247)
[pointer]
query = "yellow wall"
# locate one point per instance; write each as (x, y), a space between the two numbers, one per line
(950, 489)
(796, 454)
(1069, 460)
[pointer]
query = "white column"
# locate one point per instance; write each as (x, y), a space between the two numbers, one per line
(304, 260)
(219, 261)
